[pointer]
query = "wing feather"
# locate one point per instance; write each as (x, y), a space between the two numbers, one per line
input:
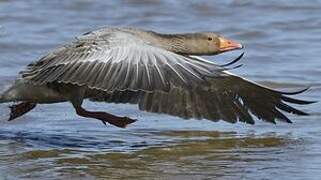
(229, 98)
(121, 68)
(109, 66)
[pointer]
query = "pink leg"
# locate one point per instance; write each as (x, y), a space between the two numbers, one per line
(20, 109)
(121, 122)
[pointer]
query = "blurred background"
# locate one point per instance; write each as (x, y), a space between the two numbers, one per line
(282, 48)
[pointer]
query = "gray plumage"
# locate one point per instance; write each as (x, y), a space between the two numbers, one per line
(161, 73)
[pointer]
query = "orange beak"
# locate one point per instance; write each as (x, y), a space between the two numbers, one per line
(228, 45)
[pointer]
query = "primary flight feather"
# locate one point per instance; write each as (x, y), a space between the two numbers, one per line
(162, 73)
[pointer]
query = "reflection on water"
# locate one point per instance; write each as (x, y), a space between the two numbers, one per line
(202, 154)
(282, 50)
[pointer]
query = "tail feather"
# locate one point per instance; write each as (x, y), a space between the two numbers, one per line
(6, 94)
(12, 92)
(3, 99)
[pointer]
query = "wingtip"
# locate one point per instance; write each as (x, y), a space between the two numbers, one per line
(296, 92)
(289, 121)
(297, 101)
(235, 67)
(234, 61)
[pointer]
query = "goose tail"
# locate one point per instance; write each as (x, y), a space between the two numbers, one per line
(3, 97)
(7, 94)
(2, 100)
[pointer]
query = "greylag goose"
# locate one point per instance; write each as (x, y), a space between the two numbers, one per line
(161, 73)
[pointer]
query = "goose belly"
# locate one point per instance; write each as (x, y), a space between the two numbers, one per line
(22, 91)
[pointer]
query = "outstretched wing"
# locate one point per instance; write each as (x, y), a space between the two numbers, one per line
(122, 68)
(229, 98)
(118, 63)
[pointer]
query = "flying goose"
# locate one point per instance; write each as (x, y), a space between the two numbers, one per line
(161, 73)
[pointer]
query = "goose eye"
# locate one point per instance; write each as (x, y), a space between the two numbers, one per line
(210, 39)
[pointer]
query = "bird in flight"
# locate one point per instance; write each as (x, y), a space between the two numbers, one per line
(161, 73)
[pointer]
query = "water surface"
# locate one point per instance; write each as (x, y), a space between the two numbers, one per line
(282, 40)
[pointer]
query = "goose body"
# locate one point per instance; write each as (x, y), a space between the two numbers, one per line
(161, 73)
